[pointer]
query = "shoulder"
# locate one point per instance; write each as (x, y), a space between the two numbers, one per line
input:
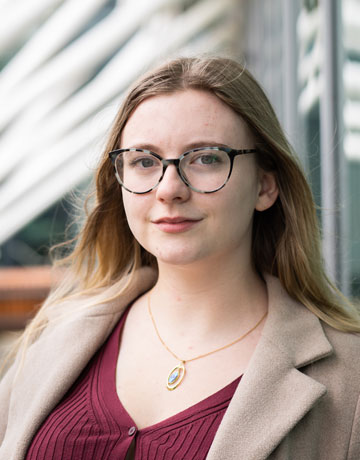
(345, 343)
(339, 372)
(314, 347)
(345, 357)
(108, 300)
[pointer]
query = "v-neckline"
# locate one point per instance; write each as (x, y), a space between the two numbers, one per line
(107, 386)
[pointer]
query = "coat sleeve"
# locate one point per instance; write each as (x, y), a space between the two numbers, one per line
(354, 445)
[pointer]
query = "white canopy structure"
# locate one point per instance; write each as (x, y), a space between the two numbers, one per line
(60, 91)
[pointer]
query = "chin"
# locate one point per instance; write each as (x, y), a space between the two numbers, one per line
(176, 262)
(183, 256)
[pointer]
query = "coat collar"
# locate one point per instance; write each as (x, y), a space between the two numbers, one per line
(274, 395)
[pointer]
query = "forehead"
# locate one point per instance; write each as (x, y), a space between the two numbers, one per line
(189, 116)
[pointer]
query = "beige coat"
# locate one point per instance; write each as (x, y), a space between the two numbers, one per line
(298, 399)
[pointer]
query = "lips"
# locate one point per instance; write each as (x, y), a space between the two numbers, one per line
(174, 220)
(175, 224)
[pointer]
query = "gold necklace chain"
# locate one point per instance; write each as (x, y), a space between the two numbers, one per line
(177, 374)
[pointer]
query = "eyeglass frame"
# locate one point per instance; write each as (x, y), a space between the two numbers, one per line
(232, 153)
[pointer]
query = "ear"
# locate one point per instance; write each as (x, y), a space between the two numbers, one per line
(268, 191)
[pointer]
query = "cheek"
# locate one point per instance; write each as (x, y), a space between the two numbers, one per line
(130, 206)
(136, 211)
(236, 217)
(246, 187)
(237, 208)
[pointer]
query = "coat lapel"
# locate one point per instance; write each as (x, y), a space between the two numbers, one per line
(273, 395)
(55, 361)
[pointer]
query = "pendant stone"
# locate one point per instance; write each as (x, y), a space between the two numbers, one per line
(175, 376)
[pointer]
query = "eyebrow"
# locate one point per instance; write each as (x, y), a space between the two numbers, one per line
(190, 146)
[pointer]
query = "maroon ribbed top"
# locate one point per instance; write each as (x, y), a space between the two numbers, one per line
(91, 423)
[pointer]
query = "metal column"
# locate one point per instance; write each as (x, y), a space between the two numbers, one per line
(291, 87)
(332, 158)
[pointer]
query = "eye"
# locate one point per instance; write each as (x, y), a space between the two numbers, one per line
(143, 162)
(207, 159)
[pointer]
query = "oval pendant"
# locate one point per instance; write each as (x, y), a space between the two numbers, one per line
(175, 376)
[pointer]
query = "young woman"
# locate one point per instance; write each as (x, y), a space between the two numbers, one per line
(196, 320)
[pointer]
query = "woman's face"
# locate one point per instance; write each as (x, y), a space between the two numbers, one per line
(175, 224)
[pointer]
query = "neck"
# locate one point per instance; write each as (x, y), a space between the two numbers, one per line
(201, 298)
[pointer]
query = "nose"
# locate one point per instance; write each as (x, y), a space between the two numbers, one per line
(172, 187)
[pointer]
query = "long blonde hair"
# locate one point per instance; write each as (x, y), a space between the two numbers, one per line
(286, 239)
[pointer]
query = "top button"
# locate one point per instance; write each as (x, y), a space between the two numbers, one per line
(132, 431)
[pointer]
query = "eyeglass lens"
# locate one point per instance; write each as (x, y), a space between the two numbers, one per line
(204, 170)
